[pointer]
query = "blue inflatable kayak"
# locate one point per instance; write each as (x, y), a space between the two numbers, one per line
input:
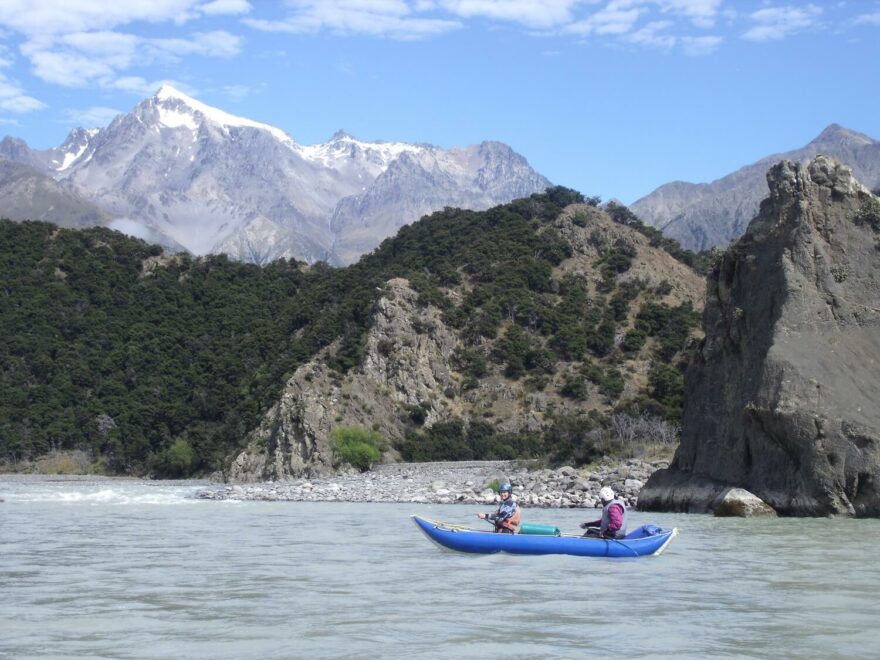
(645, 541)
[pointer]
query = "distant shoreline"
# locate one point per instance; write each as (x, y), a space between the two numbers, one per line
(449, 482)
(464, 482)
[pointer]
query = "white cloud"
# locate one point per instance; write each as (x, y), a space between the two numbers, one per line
(218, 7)
(868, 19)
(68, 69)
(116, 50)
(615, 18)
(532, 13)
(14, 99)
(54, 17)
(212, 44)
(775, 23)
(380, 18)
(701, 13)
(695, 46)
(96, 116)
(73, 43)
(82, 58)
(620, 16)
(653, 35)
(20, 103)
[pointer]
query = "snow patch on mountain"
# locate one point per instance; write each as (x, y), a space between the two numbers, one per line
(70, 157)
(343, 147)
(171, 112)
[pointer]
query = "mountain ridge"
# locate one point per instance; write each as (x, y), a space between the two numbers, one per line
(198, 177)
(705, 215)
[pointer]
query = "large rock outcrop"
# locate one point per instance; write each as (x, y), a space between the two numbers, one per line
(782, 396)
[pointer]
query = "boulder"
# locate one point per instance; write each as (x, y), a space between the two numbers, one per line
(781, 395)
(740, 503)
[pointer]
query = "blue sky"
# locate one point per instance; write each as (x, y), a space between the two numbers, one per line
(611, 97)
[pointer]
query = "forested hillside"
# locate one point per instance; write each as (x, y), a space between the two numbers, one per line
(161, 364)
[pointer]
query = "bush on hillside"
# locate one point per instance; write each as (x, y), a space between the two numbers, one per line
(357, 446)
(869, 214)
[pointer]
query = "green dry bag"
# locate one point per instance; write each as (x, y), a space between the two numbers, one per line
(546, 530)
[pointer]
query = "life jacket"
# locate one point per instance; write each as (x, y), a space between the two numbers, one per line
(603, 526)
(511, 525)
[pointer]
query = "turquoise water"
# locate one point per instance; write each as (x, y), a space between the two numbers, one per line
(130, 569)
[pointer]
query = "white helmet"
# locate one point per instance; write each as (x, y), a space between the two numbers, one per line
(606, 494)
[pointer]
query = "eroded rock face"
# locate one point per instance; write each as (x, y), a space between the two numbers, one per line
(405, 363)
(782, 397)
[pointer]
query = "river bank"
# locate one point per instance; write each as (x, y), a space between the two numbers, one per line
(465, 482)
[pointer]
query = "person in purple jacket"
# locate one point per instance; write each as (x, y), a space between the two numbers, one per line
(612, 524)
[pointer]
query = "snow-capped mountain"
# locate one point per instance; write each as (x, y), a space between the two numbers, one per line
(213, 182)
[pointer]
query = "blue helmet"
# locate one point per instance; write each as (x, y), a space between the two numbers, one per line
(505, 488)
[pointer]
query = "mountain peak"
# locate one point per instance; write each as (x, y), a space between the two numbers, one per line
(835, 133)
(166, 91)
(169, 100)
(341, 134)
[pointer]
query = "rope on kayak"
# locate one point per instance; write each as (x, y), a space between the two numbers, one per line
(446, 525)
(635, 554)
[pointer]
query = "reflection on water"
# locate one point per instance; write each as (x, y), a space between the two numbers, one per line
(133, 569)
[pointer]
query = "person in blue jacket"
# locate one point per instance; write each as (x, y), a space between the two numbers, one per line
(507, 517)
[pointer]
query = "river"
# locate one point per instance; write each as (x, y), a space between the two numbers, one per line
(135, 569)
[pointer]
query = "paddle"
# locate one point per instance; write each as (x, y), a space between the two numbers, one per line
(485, 517)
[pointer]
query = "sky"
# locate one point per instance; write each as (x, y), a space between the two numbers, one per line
(610, 97)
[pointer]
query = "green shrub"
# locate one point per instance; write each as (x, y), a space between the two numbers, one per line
(177, 460)
(570, 439)
(357, 446)
(633, 340)
(663, 288)
(574, 388)
(667, 387)
(453, 440)
(869, 214)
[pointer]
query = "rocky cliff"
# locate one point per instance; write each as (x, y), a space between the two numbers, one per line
(408, 366)
(405, 364)
(781, 399)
